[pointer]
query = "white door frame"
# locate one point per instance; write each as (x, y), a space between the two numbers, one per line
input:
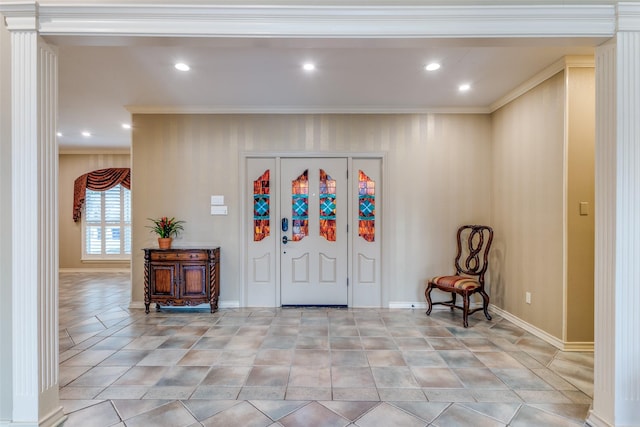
(275, 215)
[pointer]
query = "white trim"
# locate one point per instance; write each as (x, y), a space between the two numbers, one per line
(229, 304)
(95, 270)
(249, 109)
(557, 343)
(547, 73)
(136, 304)
(525, 87)
(53, 419)
(107, 261)
(628, 16)
(82, 151)
(409, 305)
(389, 21)
(594, 420)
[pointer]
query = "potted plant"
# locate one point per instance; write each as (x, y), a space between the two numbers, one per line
(166, 229)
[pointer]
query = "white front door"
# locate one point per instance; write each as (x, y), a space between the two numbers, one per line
(314, 243)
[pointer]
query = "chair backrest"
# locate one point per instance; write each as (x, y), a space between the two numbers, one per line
(474, 242)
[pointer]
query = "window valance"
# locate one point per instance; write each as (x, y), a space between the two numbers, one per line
(98, 180)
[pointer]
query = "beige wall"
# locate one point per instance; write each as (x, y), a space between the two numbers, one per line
(527, 184)
(5, 219)
(72, 166)
(580, 188)
(434, 165)
(543, 158)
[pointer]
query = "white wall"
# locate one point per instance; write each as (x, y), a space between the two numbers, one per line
(5, 220)
(436, 165)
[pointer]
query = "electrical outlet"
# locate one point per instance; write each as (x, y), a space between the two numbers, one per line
(527, 297)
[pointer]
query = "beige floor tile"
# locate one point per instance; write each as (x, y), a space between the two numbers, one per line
(458, 415)
(385, 415)
(243, 414)
(103, 414)
(170, 415)
(314, 414)
(271, 367)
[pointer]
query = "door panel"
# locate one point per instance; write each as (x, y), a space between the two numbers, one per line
(162, 279)
(367, 237)
(195, 283)
(262, 223)
(314, 247)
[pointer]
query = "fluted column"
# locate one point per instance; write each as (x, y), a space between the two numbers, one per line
(617, 293)
(34, 188)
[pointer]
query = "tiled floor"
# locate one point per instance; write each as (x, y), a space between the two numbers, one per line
(304, 367)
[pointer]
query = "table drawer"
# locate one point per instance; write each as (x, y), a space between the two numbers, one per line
(179, 256)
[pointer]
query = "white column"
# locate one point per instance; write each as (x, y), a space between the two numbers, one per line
(617, 294)
(34, 188)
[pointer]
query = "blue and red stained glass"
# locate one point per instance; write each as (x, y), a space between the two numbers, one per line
(261, 202)
(327, 207)
(300, 207)
(366, 207)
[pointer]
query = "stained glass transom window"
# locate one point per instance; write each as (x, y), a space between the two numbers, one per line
(261, 203)
(300, 207)
(327, 207)
(366, 207)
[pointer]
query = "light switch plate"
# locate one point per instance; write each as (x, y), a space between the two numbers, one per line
(219, 210)
(217, 200)
(584, 208)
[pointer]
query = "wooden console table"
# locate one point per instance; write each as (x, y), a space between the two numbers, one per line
(182, 276)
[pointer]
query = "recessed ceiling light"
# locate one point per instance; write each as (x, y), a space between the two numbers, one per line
(86, 133)
(182, 66)
(126, 126)
(464, 87)
(432, 66)
(308, 66)
(58, 133)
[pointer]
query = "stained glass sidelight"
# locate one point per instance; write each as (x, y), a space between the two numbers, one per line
(327, 207)
(366, 207)
(261, 207)
(300, 207)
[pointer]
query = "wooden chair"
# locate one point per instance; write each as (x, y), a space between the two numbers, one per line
(474, 242)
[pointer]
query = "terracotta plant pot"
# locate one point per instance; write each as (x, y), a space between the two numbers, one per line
(164, 242)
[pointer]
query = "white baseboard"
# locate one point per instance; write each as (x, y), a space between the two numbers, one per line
(556, 342)
(595, 421)
(407, 304)
(229, 304)
(422, 305)
(94, 270)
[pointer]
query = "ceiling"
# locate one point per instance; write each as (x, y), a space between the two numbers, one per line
(101, 81)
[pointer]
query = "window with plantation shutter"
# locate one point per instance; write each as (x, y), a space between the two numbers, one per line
(107, 224)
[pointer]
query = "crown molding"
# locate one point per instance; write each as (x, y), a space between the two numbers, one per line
(195, 109)
(363, 21)
(578, 61)
(20, 16)
(629, 16)
(525, 87)
(93, 151)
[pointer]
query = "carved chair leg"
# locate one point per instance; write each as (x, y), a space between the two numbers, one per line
(427, 295)
(465, 310)
(485, 304)
(453, 300)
